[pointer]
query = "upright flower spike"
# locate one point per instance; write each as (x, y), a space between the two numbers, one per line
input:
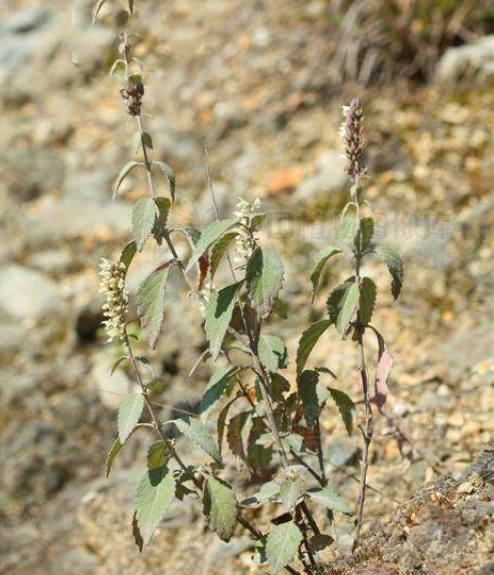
(244, 244)
(112, 286)
(351, 133)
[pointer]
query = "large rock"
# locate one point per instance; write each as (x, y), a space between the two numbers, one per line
(26, 294)
(475, 59)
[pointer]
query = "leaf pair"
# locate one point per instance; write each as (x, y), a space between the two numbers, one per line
(149, 216)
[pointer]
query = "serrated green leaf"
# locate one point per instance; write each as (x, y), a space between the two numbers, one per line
(308, 341)
(258, 456)
(158, 455)
(329, 499)
(264, 275)
(218, 316)
(342, 304)
(117, 363)
(345, 407)
(366, 232)
(321, 259)
(128, 254)
(239, 428)
(159, 228)
(210, 236)
(279, 385)
(124, 172)
(222, 423)
(312, 394)
(367, 300)
(129, 414)
(151, 303)
(219, 250)
(218, 385)
(154, 495)
(280, 308)
(220, 506)
(143, 218)
(268, 492)
(291, 489)
(282, 545)
(169, 175)
(114, 451)
(272, 352)
(346, 233)
(198, 432)
(395, 266)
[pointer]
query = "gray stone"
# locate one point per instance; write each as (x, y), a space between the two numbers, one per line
(91, 186)
(329, 178)
(476, 58)
(27, 294)
(469, 348)
(223, 551)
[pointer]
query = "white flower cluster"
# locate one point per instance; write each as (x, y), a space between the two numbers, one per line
(112, 284)
(244, 244)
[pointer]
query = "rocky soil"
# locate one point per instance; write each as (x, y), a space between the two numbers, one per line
(246, 80)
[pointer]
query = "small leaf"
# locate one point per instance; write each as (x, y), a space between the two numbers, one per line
(395, 266)
(346, 233)
(151, 303)
(321, 258)
(367, 300)
(143, 218)
(319, 542)
(119, 63)
(114, 451)
(272, 352)
(128, 254)
(129, 414)
(124, 172)
(218, 316)
(366, 232)
(282, 545)
(147, 140)
(239, 428)
(117, 363)
(329, 499)
(264, 276)
(159, 228)
(384, 365)
(312, 395)
(220, 506)
(154, 495)
(218, 385)
(345, 407)
(280, 308)
(219, 250)
(279, 385)
(290, 491)
(308, 340)
(97, 8)
(268, 492)
(198, 432)
(158, 455)
(342, 305)
(222, 423)
(169, 175)
(210, 236)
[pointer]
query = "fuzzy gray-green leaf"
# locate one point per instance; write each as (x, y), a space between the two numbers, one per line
(159, 228)
(154, 495)
(220, 506)
(291, 489)
(282, 545)
(345, 235)
(151, 303)
(308, 340)
(114, 451)
(129, 414)
(218, 385)
(198, 432)
(124, 172)
(143, 218)
(367, 300)
(366, 232)
(321, 258)
(219, 250)
(272, 352)
(218, 316)
(264, 276)
(342, 304)
(210, 236)
(169, 175)
(395, 266)
(329, 499)
(345, 407)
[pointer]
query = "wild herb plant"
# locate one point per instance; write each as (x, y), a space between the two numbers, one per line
(271, 425)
